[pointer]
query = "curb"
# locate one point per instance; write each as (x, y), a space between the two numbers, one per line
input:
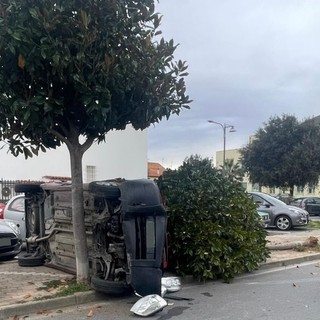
(188, 279)
(288, 262)
(60, 302)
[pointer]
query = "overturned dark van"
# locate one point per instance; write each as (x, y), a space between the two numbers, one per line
(125, 227)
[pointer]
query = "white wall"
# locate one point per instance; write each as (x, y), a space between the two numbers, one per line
(123, 155)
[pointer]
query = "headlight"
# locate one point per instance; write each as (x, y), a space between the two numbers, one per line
(13, 227)
(297, 211)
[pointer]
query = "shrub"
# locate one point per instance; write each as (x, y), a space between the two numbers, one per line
(212, 223)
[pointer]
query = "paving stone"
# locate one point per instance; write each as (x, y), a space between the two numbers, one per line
(22, 284)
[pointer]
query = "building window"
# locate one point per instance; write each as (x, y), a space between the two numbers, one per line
(91, 173)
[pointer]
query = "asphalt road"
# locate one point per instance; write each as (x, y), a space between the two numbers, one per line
(274, 294)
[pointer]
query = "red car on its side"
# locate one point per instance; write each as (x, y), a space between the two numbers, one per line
(2, 205)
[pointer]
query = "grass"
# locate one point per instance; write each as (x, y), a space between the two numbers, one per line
(63, 287)
(314, 224)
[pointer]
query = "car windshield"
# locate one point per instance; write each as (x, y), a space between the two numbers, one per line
(296, 201)
(273, 200)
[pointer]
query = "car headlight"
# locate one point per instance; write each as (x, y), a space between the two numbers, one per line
(14, 227)
(296, 211)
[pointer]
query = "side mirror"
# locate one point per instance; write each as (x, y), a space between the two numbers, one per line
(265, 204)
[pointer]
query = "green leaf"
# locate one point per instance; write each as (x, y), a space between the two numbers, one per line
(34, 13)
(16, 35)
(27, 153)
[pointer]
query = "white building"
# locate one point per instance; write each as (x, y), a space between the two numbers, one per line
(123, 155)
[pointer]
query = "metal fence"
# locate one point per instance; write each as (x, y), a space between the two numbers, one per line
(7, 189)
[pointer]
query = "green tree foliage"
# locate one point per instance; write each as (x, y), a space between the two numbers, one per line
(233, 170)
(212, 223)
(284, 153)
(72, 70)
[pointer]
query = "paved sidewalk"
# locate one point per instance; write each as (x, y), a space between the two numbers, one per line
(24, 284)
(21, 287)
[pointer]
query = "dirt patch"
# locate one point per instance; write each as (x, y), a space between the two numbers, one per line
(293, 244)
(292, 236)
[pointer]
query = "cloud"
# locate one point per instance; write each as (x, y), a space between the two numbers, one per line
(248, 61)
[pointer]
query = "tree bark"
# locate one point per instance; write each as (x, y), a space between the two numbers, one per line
(76, 151)
(79, 231)
(291, 190)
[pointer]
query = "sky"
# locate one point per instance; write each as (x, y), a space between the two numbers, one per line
(248, 60)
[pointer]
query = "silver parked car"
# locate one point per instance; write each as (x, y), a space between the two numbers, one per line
(310, 204)
(282, 216)
(10, 244)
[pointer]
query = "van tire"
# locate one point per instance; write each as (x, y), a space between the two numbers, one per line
(29, 260)
(27, 188)
(115, 288)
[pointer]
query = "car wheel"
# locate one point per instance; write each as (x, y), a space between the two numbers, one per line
(283, 223)
(29, 260)
(108, 191)
(116, 288)
(27, 187)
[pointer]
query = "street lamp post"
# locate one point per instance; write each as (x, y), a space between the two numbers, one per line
(224, 127)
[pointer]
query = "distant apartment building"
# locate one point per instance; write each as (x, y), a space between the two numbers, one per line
(234, 154)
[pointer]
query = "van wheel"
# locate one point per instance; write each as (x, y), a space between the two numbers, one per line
(116, 288)
(28, 187)
(29, 260)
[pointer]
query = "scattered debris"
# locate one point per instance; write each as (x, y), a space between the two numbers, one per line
(43, 312)
(90, 314)
(311, 242)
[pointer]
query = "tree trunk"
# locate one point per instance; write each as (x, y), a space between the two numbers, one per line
(76, 151)
(79, 232)
(291, 190)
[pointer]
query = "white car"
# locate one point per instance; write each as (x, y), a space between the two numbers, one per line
(14, 212)
(10, 244)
